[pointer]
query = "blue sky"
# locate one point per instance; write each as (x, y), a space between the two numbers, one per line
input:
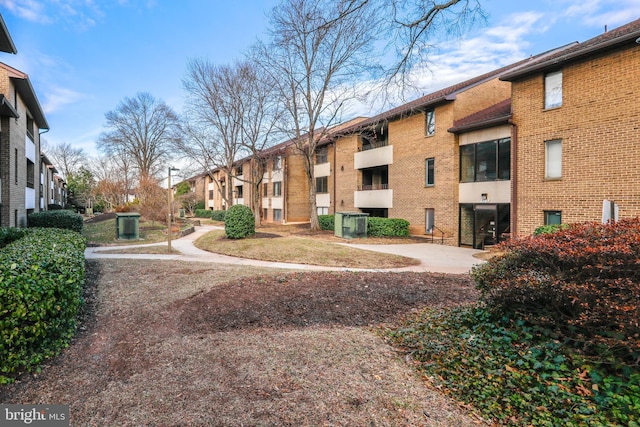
(84, 56)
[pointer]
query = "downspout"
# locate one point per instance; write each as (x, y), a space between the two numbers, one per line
(335, 177)
(285, 196)
(514, 178)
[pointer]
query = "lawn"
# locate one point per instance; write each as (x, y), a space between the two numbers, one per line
(299, 250)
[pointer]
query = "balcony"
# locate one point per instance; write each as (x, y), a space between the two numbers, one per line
(373, 196)
(321, 170)
(373, 157)
(30, 148)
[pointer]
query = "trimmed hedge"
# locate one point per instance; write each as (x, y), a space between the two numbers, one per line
(56, 219)
(202, 213)
(214, 215)
(8, 235)
(218, 215)
(326, 222)
(582, 283)
(239, 222)
(387, 227)
(41, 281)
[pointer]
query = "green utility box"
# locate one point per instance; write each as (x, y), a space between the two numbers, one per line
(350, 224)
(128, 226)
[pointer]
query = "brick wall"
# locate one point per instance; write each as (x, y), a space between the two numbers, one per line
(599, 125)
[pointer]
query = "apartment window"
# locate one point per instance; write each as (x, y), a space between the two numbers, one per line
(30, 127)
(265, 189)
(322, 185)
(323, 210)
(322, 156)
(553, 90)
(239, 171)
(239, 191)
(430, 220)
(211, 194)
(553, 159)
(264, 213)
(486, 161)
(431, 172)
(277, 163)
(277, 189)
(277, 214)
(430, 122)
(30, 174)
(552, 217)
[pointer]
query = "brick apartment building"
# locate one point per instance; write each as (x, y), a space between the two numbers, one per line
(576, 121)
(21, 119)
(545, 140)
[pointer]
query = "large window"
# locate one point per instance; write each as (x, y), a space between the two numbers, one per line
(553, 90)
(431, 172)
(430, 122)
(277, 214)
(486, 161)
(553, 159)
(265, 189)
(277, 163)
(277, 189)
(322, 184)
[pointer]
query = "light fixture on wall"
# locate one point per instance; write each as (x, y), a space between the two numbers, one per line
(484, 197)
(342, 168)
(341, 202)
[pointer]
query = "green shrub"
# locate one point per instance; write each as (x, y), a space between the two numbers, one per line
(239, 222)
(8, 235)
(546, 229)
(218, 215)
(326, 222)
(56, 219)
(387, 227)
(582, 283)
(202, 213)
(41, 280)
(199, 204)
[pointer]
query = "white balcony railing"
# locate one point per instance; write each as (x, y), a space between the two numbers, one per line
(375, 157)
(373, 199)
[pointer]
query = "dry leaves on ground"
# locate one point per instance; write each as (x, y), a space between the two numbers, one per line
(172, 343)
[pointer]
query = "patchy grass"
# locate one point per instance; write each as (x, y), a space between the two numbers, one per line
(100, 233)
(155, 249)
(299, 250)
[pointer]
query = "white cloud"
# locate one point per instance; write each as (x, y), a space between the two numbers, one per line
(58, 97)
(31, 10)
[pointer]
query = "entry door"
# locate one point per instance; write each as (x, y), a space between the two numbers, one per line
(485, 230)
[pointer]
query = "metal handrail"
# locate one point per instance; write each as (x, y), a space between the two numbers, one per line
(433, 234)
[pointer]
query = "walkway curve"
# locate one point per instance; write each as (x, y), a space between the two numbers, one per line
(433, 257)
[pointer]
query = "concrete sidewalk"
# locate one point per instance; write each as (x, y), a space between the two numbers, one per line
(433, 257)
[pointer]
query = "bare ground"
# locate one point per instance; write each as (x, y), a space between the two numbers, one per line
(168, 343)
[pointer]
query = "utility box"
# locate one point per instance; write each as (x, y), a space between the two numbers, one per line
(349, 225)
(128, 226)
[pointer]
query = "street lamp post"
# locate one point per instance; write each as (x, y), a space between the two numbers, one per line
(169, 208)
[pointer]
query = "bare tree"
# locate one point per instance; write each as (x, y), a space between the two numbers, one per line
(143, 129)
(66, 158)
(229, 113)
(319, 50)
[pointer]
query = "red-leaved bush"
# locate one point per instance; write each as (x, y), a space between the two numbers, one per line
(582, 283)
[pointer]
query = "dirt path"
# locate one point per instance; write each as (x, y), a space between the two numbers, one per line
(167, 343)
